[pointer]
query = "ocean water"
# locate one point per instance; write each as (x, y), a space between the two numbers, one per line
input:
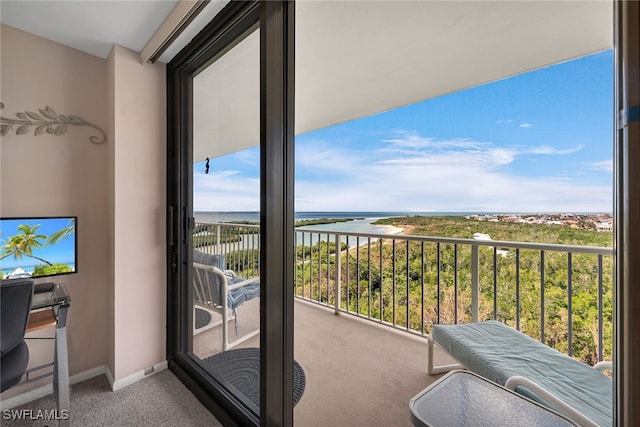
(356, 226)
(255, 216)
(29, 267)
(362, 222)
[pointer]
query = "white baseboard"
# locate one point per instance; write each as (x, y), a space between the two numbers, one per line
(47, 389)
(135, 377)
(109, 375)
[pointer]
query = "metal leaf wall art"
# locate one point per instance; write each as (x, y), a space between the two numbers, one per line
(46, 121)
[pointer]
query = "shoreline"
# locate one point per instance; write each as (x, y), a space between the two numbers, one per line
(391, 229)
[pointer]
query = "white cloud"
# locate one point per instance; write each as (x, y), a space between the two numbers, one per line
(545, 149)
(448, 175)
(410, 172)
(409, 140)
(445, 188)
(323, 158)
(526, 125)
(471, 159)
(602, 166)
(225, 191)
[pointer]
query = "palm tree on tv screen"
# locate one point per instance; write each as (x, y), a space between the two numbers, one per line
(62, 233)
(24, 243)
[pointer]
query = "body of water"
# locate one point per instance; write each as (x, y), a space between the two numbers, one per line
(30, 267)
(255, 216)
(362, 222)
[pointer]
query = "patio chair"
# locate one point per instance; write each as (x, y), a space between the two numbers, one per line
(220, 290)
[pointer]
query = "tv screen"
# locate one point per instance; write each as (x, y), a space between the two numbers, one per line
(38, 247)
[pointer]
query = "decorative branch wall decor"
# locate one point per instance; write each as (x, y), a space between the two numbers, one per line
(46, 121)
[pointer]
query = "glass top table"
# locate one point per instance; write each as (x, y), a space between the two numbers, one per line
(462, 398)
(54, 296)
(49, 295)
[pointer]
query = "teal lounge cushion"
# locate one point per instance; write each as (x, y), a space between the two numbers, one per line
(497, 352)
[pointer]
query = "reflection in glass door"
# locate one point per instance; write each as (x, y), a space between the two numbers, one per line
(226, 200)
(226, 203)
(230, 150)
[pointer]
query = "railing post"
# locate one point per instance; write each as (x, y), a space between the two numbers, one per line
(338, 277)
(218, 246)
(475, 282)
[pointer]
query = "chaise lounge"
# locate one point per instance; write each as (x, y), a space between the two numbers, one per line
(508, 357)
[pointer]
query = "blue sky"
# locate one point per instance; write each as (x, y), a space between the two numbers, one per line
(537, 142)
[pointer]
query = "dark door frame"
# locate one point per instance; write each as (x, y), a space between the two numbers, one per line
(627, 213)
(277, 46)
(276, 22)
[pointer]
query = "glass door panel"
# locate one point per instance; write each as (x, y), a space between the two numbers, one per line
(381, 128)
(226, 210)
(230, 214)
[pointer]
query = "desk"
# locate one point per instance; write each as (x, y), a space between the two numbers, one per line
(54, 296)
(462, 398)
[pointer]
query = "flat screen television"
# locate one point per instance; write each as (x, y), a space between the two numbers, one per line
(38, 247)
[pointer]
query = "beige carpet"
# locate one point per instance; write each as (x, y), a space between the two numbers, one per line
(158, 400)
(209, 342)
(358, 373)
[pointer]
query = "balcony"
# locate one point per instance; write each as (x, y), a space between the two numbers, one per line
(366, 364)
(358, 373)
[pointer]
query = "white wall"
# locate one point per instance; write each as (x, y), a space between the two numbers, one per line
(117, 190)
(61, 175)
(137, 183)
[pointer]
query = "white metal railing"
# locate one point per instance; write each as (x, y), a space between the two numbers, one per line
(240, 243)
(411, 282)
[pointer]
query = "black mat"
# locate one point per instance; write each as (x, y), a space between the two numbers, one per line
(241, 368)
(203, 317)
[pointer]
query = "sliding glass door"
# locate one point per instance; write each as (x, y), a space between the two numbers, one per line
(229, 215)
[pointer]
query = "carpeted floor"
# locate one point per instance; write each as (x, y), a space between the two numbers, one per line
(357, 374)
(159, 400)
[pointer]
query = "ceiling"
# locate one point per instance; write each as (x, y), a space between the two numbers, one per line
(353, 58)
(381, 55)
(94, 26)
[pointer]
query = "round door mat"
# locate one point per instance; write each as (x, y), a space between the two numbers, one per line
(241, 368)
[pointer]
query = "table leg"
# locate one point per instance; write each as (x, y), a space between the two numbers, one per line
(61, 368)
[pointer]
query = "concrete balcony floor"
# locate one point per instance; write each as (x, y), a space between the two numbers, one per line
(358, 373)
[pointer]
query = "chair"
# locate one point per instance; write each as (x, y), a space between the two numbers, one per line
(508, 357)
(222, 291)
(15, 305)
